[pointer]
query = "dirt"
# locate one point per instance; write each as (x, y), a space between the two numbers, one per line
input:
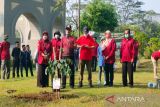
(44, 96)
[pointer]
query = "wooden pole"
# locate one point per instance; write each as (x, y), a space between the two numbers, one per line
(79, 12)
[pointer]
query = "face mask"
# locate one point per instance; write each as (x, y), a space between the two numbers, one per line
(126, 36)
(57, 36)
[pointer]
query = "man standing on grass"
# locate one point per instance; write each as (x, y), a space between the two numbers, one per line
(86, 44)
(16, 59)
(127, 57)
(28, 61)
(5, 58)
(67, 53)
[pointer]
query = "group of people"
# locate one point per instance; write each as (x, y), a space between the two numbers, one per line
(88, 52)
(21, 59)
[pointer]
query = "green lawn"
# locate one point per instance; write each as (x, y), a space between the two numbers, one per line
(82, 97)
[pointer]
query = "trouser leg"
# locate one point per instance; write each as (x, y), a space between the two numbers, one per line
(111, 73)
(82, 66)
(3, 69)
(124, 73)
(88, 64)
(130, 73)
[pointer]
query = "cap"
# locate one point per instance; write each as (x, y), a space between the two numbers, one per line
(5, 36)
(85, 29)
(108, 31)
(45, 33)
(68, 27)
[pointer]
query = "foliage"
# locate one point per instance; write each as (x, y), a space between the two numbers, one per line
(153, 45)
(122, 27)
(62, 65)
(142, 39)
(126, 9)
(99, 16)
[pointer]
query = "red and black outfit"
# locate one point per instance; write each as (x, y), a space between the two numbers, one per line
(44, 47)
(85, 57)
(5, 58)
(56, 44)
(68, 46)
(109, 52)
(136, 46)
(94, 57)
(127, 57)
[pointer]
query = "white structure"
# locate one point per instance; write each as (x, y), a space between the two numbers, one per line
(29, 18)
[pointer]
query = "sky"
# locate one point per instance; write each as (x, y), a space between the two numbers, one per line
(148, 4)
(151, 5)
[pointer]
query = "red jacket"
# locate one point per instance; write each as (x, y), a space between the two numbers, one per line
(127, 50)
(5, 53)
(136, 46)
(45, 48)
(56, 44)
(156, 55)
(85, 53)
(94, 50)
(109, 52)
(67, 44)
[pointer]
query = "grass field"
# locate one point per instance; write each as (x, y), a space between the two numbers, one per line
(13, 92)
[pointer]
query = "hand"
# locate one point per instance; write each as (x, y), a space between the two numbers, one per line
(132, 60)
(106, 57)
(45, 56)
(86, 46)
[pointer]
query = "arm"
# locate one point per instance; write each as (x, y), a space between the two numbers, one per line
(13, 52)
(113, 49)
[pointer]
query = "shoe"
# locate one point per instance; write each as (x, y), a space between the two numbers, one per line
(80, 84)
(72, 87)
(63, 87)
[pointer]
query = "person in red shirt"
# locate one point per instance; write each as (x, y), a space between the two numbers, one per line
(56, 44)
(0, 60)
(127, 57)
(94, 56)
(109, 54)
(5, 58)
(154, 57)
(136, 46)
(67, 53)
(86, 44)
(44, 53)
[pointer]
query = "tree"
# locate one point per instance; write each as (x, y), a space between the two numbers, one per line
(126, 9)
(99, 16)
(153, 45)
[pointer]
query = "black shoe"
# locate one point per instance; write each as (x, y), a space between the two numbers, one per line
(131, 86)
(91, 86)
(80, 85)
(72, 87)
(63, 87)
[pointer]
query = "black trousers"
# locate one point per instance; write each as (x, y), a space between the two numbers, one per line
(82, 66)
(94, 63)
(23, 65)
(135, 64)
(127, 67)
(29, 65)
(109, 72)
(16, 64)
(64, 77)
(42, 78)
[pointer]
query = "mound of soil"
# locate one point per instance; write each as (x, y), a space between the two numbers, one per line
(43, 96)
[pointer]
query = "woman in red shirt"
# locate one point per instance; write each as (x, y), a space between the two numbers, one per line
(154, 57)
(44, 53)
(56, 44)
(109, 54)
